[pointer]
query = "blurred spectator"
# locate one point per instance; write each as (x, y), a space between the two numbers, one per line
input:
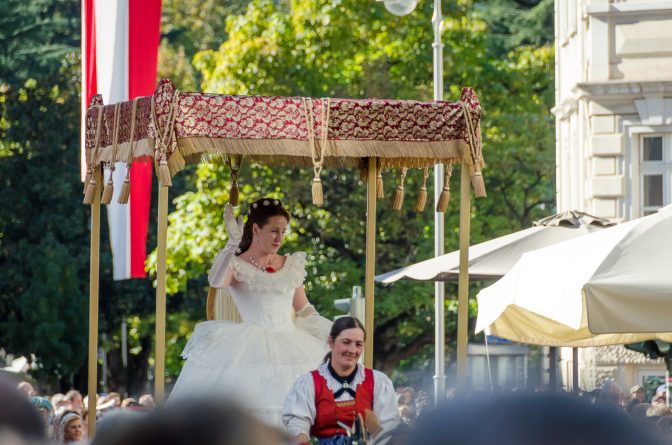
(76, 402)
(44, 407)
(610, 394)
(638, 412)
(637, 393)
(198, 421)
(60, 403)
(147, 400)
(129, 402)
(17, 415)
(658, 411)
(528, 419)
(27, 389)
(69, 428)
(406, 414)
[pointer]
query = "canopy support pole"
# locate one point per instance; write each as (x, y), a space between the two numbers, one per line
(370, 270)
(94, 265)
(160, 333)
(463, 284)
(439, 227)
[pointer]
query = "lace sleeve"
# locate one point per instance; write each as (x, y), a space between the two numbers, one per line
(297, 268)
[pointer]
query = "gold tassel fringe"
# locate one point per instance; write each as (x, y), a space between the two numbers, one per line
(87, 179)
(108, 191)
(421, 200)
(398, 196)
(125, 192)
(478, 184)
(380, 192)
(318, 194)
(90, 191)
(164, 174)
(234, 194)
(444, 199)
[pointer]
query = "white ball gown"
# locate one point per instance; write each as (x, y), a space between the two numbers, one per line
(257, 361)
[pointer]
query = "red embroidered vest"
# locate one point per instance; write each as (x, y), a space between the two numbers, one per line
(329, 411)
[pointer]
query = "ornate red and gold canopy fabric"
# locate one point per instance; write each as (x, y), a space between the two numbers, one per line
(177, 127)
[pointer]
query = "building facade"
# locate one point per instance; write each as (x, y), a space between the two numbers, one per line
(613, 126)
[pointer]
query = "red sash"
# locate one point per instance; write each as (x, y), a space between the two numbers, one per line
(329, 411)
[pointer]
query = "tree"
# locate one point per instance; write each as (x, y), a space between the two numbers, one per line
(340, 48)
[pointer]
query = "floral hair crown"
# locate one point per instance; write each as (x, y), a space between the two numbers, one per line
(265, 203)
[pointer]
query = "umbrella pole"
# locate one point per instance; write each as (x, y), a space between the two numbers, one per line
(370, 270)
(463, 284)
(160, 333)
(94, 265)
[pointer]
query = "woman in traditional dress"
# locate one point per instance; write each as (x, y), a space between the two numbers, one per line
(281, 336)
(339, 391)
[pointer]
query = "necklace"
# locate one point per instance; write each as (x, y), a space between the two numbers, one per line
(268, 268)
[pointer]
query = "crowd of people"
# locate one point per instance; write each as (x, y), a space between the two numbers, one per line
(65, 416)
(521, 418)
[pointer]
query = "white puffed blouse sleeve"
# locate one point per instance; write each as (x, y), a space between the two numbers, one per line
(298, 412)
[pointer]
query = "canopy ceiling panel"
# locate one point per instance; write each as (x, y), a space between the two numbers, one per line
(177, 127)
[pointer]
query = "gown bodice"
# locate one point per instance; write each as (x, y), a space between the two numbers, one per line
(265, 299)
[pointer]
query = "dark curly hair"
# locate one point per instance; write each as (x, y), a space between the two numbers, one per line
(260, 212)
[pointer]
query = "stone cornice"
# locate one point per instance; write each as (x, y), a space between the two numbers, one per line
(622, 89)
(627, 8)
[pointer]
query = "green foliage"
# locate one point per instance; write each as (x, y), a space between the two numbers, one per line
(342, 48)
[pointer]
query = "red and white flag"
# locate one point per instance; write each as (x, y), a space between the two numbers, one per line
(120, 43)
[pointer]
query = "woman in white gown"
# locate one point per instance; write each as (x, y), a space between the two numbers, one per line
(281, 337)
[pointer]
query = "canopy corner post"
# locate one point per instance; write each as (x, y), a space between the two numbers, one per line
(94, 277)
(463, 284)
(370, 270)
(160, 326)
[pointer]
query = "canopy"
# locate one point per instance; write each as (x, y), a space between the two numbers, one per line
(177, 127)
(609, 287)
(492, 259)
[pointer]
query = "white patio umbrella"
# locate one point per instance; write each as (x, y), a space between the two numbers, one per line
(613, 286)
(490, 260)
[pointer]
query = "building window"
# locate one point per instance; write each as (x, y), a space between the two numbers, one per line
(655, 171)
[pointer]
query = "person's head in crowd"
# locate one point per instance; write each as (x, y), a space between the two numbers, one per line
(658, 411)
(43, 406)
(406, 414)
(69, 427)
(638, 412)
(60, 403)
(18, 417)
(129, 402)
(610, 394)
(114, 397)
(528, 419)
(659, 398)
(75, 398)
(147, 400)
(27, 389)
(197, 421)
(637, 393)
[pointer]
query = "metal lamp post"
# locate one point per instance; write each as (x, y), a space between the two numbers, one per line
(403, 7)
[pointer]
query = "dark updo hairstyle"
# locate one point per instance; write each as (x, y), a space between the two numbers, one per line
(340, 325)
(260, 212)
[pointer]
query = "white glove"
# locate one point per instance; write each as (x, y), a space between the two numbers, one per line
(217, 277)
(309, 320)
(234, 227)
